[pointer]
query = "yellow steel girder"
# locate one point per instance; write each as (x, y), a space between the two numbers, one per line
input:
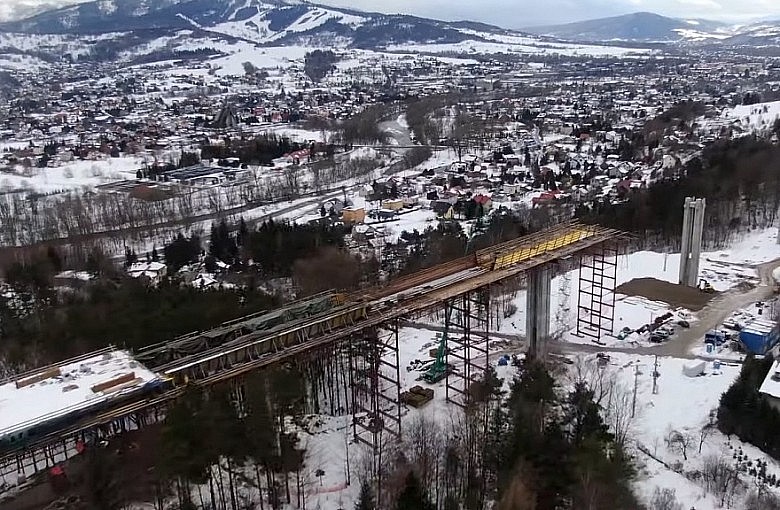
(523, 253)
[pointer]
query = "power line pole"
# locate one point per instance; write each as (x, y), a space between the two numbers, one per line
(655, 376)
(636, 385)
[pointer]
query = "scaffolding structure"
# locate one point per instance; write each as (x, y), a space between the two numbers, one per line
(468, 321)
(376, 385)
(596, 297)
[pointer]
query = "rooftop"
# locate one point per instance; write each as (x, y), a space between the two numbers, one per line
(770, 386)
(58, 390)
(759, 326)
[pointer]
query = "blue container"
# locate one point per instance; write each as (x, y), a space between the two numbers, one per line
(710, 348)
(716, 364)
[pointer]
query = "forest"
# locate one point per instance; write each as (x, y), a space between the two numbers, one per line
(738, 178)
(535, 444)
(745, 413)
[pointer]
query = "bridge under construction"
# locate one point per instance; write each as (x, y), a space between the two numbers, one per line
(357, 337)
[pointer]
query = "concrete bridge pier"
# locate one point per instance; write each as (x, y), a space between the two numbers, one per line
(537, 308)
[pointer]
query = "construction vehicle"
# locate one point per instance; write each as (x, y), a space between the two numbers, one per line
(439, 369)
(705, 286)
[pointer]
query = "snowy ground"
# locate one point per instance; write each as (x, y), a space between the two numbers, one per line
(724, 269)
(521, 46)
(75, 175)
(681, 404)
(760, 116)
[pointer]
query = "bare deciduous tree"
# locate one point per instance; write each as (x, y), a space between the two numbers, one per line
(665, 499)
(720, 478)
(680, 442)
(705, 432)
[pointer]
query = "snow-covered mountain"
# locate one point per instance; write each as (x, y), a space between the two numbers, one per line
(260, 21)
(19, 9)
(639, 26)
(763, 34)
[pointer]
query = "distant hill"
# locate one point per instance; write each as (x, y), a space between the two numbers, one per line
(275, 22)
(640, 26)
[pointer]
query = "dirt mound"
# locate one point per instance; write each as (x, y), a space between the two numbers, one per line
(672, 293)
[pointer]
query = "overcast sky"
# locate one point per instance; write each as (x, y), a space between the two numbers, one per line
(522, 13)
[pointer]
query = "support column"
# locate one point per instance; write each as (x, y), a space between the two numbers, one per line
(690, 247)
(537, 308)
(696, 240)
(685, 247)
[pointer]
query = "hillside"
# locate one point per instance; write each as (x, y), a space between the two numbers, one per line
(640, 26)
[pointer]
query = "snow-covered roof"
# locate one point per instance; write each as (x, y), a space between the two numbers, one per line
(63, 389)
(770, 386)
(140, 267)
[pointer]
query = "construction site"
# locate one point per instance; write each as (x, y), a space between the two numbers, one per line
(346, 345)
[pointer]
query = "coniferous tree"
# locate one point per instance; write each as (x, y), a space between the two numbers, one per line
(104, 486)
(366, 498)
(413, 496)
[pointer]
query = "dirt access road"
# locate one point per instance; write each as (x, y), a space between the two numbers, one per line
(718, 310)
(680, 344)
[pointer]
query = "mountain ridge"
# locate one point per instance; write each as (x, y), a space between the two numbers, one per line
(637, 27)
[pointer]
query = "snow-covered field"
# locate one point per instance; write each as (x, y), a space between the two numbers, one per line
(759, 116)
(682, 404)
(71, 176)
(528, 47)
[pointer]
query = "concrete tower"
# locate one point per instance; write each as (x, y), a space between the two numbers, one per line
(693, 229)
(537, 308)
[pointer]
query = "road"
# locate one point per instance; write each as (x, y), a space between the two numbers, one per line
(719, 309)
(681, 344)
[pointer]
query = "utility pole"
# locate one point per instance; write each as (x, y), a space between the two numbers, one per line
(636, 385)
(655, 376)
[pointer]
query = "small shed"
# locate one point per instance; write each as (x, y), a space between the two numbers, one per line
(694, 368)
(770, 388)
(393, 205)
(353, 215)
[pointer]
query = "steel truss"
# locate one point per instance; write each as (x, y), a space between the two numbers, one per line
(596, 297)
(468, 325)
(28, 461)
(376, 385)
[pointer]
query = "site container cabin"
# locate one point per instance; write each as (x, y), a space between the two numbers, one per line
(758, 336)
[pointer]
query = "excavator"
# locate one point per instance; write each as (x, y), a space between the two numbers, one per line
(439, 369)
(705, 286)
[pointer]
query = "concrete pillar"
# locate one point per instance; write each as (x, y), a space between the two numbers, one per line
(537, 308)
(696, 240)
(690, 248)
(685, 248)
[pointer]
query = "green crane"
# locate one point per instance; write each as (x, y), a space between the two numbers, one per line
(439, 369)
